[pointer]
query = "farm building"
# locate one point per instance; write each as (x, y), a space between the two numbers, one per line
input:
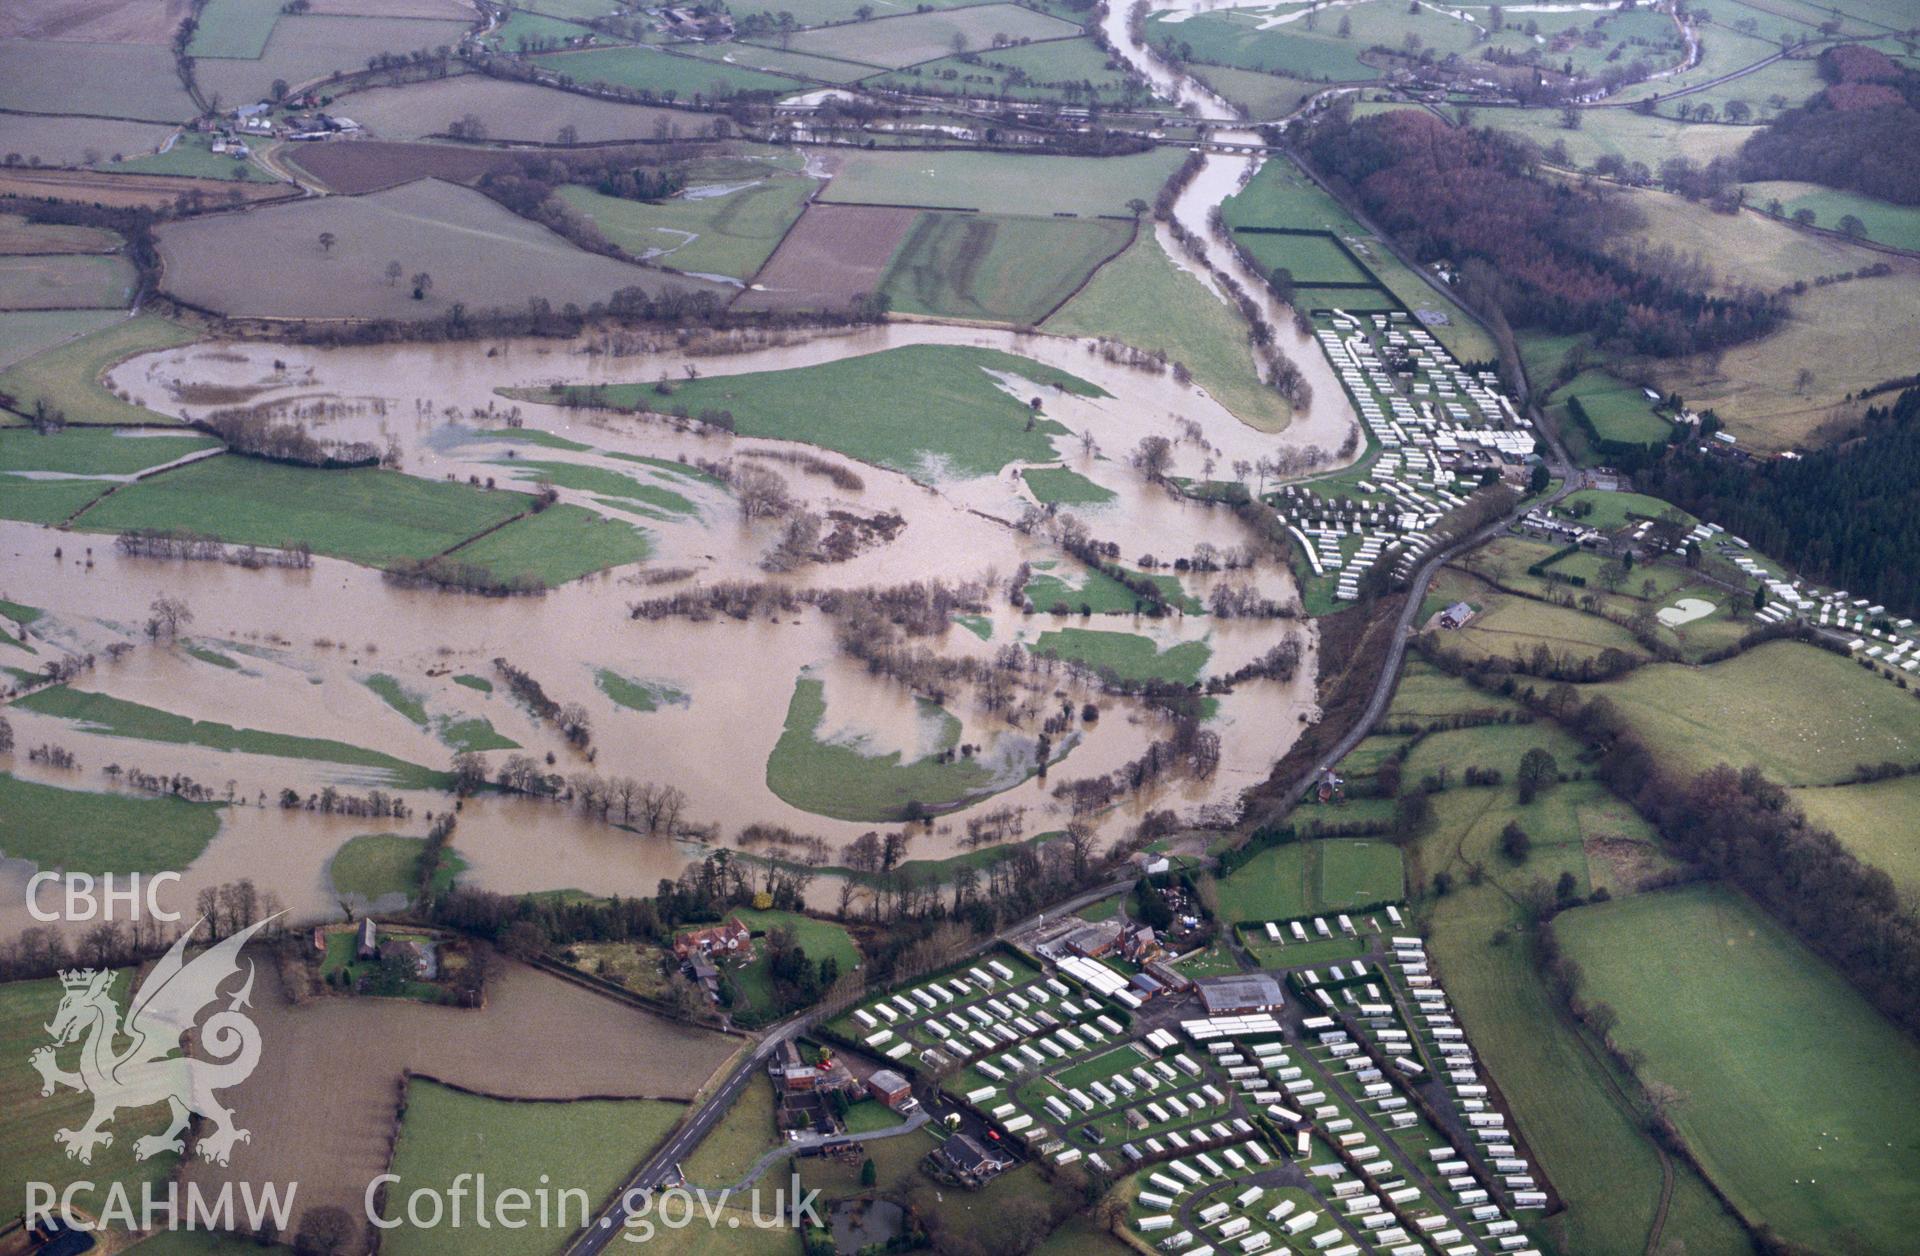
(1456, 616)
(367, 945)
(1230, 996)
(890, 1088)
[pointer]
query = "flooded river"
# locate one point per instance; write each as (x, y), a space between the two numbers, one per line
(302, 649)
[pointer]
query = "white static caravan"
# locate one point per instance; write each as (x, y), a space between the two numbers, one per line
(1273, 932)
(1298, 930)
(1320, 927)
(1147, 1225)
(1302, 1223)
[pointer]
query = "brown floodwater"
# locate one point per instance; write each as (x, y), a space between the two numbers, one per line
(307, 642)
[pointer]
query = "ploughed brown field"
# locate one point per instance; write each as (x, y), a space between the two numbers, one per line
(370, 165)
(833, 254)
(125, 191)
(321, 1104)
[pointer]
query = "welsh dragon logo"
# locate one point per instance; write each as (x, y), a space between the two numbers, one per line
(151, 1069)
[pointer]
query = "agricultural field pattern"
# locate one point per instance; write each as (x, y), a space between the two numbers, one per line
(1078, 627)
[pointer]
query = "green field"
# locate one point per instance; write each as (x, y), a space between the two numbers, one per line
(69, 377)
(664, 75)
(1060, 486)
(1800, 714)
(192, 155)
(24, 333)
(116, 717)
(559, 544)
(28, 1149)
(1085, 591)
(839, 780)
(92, 451)
(363, 515)
(234, 28)
(637, 695)
(1898, 225)
(1875, 822)
(659, 502)
(1144, 299)
(1265, 97)
(732, 234)
(65, 281)
(375, 865)
(1618, 410)
(1310, 877)
(46, 501)
(1280, 195)
(1312, 259)
(56, 76)
(1230, 39)
(80, 831)
(997, 268)
(525, 31)
(732, 1146)
(1068, 70)
(820, 939)
(780, 61)
(961, 420)
(1625, 133)
(1797, 1097)
(900, 41)
(1001, 183)
(1128, 655)
(399, 698)
(587, 1146)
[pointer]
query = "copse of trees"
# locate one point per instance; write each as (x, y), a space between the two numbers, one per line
(1538, 249)
(1848, 515)
(1862, 133)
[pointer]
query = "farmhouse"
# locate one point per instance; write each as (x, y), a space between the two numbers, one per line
(415, 954)
(367, 943)
(729, 938)
(1232, 996)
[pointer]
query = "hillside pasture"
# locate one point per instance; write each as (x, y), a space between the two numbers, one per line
(997, 268)
(716, 230)
(24, 333)
(135, 82)
(510, 111)
(1874, 821)
(1885, 222)
(832, 255)
(306, 48)
(1000, 183)
(270, 264)
(898, 41)
(65, 281)
(1794, 1087)
(824, 12)
(1618, 410)
(1849, 336)
(1801, 715)
(1624, 133)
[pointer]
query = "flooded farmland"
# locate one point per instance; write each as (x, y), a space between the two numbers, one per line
(713, 705)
